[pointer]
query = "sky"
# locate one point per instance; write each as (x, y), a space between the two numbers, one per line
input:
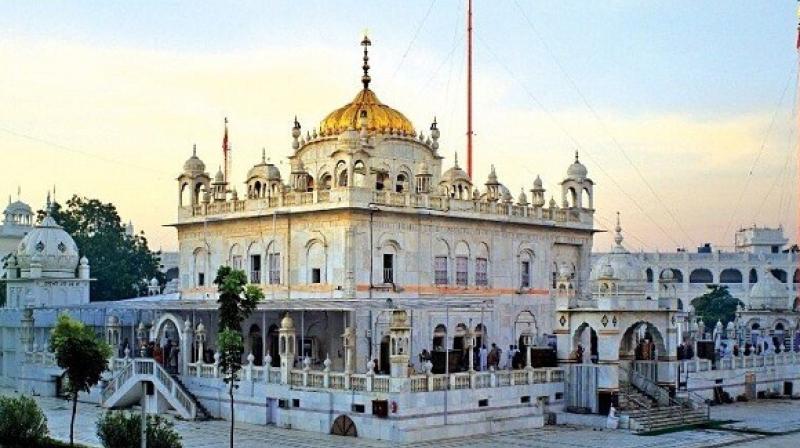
(682, 111)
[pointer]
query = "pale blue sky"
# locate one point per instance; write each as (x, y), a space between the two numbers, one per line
(713, 66)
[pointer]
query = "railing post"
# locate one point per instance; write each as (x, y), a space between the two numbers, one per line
(492, 377)
(429, 379)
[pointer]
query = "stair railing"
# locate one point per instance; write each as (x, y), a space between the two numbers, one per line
(154, 372)
(661, 395)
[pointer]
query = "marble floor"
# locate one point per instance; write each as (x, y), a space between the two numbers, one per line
(779, 417)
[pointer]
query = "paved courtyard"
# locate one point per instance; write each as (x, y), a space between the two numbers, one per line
(754, 420)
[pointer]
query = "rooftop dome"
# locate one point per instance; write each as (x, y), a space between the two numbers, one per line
(18, 208)
(266, 170)
(619, 262)
(455, 173)
(379, 116)
(769, 292)
(194, 164)
(577, 170)
(52, 247)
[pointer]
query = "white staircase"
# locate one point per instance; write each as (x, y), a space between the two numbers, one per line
(125, 387)
(650, 408)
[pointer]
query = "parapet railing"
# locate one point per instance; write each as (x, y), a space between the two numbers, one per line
(372, 382)
(390, 199)
(741, 362)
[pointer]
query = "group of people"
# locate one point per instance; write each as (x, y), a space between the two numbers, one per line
(166, 353)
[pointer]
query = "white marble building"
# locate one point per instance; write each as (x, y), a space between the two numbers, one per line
(757, 250)
(383, 273)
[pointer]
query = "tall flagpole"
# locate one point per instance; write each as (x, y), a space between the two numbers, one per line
(469, 88)
(226, 149)
(797, 137)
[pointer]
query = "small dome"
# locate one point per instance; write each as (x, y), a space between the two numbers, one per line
(523, 198)
(505, 194)
(153, 282)
(18, 208)
(112, 321)
(266, 171)
(49, 245)
(287, 322)
(626, 267)
(219, 177)
(667, 275)
(577, 170)
(537, 183)
(194, 165)
(769, 292)
(492, 179)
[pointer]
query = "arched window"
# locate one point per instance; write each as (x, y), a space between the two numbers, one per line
(680, 304)
(381, 179)
(572, 197)
(359, 174)
(586, 198)
(649, 274)
(235, 257)
(730, 276)
(462, 263)
(526, 259)
(796, 276)
(325, 181)
(315, 262)
(701, 276)
(198, 187)
(753, 276)
(183, 200)
(780, 274)
(482, 265)
(200, 267)
(401, 184)
(440, 268)
(342, 182)
(258, 191)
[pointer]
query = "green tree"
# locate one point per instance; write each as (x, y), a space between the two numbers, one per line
(82, 355)
(237, 300)
(231, 348)
(120, 429)
(121, 263)
(22, 422)
(716, 305)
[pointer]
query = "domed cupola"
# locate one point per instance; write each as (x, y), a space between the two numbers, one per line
(193, 164)
(263, 179)
(193, 182)
(577, 188)
(379, 117)
(619, 265)
(17, 213)
(455, 182)
(47, 251)
(769, 293)
(577, 171)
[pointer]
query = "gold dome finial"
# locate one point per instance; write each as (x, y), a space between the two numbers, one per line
(365, 79)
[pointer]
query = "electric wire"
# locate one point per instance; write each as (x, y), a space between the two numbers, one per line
(414, 38)
(575, 142)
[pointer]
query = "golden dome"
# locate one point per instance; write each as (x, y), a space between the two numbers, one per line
(379, 116)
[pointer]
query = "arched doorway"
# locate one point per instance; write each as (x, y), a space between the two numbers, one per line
(642, 341)
(166, 335)
(439, 335)
(383, 361)
(256, 344)
(458, 339)
(480, 331)
(272, 336)
(344, 426)
(585, 336)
